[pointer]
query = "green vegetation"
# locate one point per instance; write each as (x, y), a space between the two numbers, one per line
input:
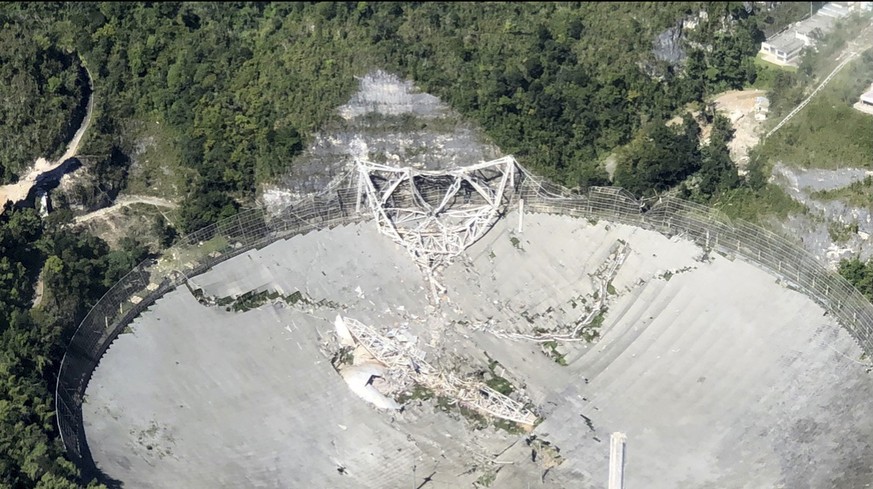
(816, 64)
(840, 233)
(859, 274)
(252, 300)
(856, 194)
(486, 479)
(42, 95)
(418, 392)
(240, 87)
(551, 349)
(828, 133)
(662, 157)
(783, 14)
(76, 268)
(345, 356)
(158, 169)
(767, 73)
(212, 100)
(755, 205)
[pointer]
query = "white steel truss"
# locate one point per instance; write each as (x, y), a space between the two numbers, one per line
(423, 211)
(406, 362)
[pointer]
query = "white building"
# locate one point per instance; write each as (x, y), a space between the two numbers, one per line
(865, 101)
(786, 46)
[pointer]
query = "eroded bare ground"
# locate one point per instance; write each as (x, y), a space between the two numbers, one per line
(18, 191)
(739, 106)
(128, 216)
(833, 229)
(391, 122)
(125, 201)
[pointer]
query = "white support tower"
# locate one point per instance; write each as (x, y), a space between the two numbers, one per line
(616, 460)
(405, 362)
(423, 211)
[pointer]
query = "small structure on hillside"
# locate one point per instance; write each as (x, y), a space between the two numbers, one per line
(865, 102)
(762, 107)
(785, 47)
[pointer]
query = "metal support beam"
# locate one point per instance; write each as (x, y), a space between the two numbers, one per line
(406, 361)
(434, 235)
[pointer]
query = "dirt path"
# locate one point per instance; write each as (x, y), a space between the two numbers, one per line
(18, 191)
(739, 107)
(123, 202)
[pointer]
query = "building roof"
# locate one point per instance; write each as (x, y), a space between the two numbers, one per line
(867, 97)
(817, 21)
(786, 42)
(835, 9)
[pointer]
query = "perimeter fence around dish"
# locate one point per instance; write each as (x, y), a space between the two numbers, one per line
(255, 228)
(712, 230)
(151, 279)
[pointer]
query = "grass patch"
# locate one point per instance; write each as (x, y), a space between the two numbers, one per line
(766, 72)
(828, 133)
(157, 169)
(757, 205)
(550, 348)
(418, 392)
(252, 300)
(841, 233)
(501, 385)
(857, 194)
(486, 479)
(495, 381)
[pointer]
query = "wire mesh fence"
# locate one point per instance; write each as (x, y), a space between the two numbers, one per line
(151, 279)
(712, 230)
(254, 228)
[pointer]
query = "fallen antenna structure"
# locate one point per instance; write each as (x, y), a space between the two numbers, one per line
(436, 215)
(404, 362)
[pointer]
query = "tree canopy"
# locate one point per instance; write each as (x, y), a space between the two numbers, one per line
(244, 85)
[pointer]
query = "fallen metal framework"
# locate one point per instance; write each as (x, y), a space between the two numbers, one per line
(604, 275)
(405, 362)
(423, 211)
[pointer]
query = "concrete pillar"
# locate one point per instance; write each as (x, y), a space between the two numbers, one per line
(520, 214)
(616, 460)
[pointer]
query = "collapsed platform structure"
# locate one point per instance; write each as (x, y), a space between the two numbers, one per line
(685, 363)
(423, 212)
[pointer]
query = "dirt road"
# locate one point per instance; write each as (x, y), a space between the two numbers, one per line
(18, 191)
(123, 202)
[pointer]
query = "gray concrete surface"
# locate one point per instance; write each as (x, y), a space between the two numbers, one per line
(719, 376)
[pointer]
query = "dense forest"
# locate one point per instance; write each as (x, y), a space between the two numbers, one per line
(76, 268)
(241, 87)
(42, 99)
